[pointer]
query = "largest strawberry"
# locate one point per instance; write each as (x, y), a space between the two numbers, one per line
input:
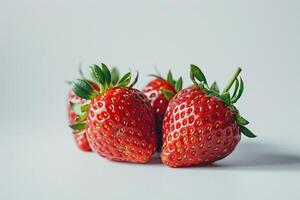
(120, 120)
(201, 124)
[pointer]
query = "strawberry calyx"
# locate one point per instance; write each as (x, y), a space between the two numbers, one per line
(105, 79)
(177, 84)
(198, 78)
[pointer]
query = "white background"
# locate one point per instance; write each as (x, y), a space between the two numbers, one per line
(42, 43)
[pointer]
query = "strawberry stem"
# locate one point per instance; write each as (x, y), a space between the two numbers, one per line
(232, 80)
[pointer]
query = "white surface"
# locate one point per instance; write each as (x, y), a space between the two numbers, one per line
(42, 42)
(33, 169)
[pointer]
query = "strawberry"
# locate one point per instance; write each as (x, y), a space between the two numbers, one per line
(120, 120)
(201, 125)
(74, 111)
(80, 139)
(159, 91)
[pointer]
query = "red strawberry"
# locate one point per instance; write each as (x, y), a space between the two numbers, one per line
(159, 91)
(201, 125)
(120, 120)
(80, 139)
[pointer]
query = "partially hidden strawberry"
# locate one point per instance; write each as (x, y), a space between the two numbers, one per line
(79, 136)
(201, 124)
(160, 91)
(120, 120)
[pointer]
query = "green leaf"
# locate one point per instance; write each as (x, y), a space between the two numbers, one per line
(106, 73)
(170, 78)
(125, 80)
(215, 88)
(82, 89)
(247, 132)
(241, 121)
(93, 85)
(201, 85)
(168, 94)
(225, 97)
(97, 74)
(82, 118)
(79, 126)
(236, 87)
(84, 108)
(195, 72)
(135, 80)
(241, 90)
(178, 85)
(76, 108)
(114, 76)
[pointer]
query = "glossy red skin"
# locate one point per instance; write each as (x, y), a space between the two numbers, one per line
(198, 129)
(80, 140)
(121, 126)
(159, 102)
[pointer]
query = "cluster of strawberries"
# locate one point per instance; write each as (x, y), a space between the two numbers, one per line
(196, 125)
